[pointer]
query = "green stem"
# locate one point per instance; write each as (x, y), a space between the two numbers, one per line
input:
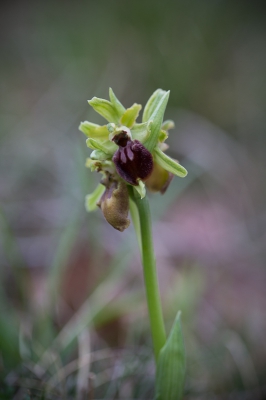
(150, 275)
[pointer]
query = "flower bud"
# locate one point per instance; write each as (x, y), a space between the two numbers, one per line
(114, 204)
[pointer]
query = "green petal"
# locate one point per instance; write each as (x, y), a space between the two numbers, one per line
(92, 199)
(120, 109)
(157, 119)
(169, 164)
(105, 109)
(169, 124)
(170, 374)
(152, 103)
(107, 147)
(141, 131)
(93, 130)
(130, 115)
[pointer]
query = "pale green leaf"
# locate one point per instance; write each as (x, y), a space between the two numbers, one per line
(120, 109)
(93, 130)
(92, 199)
(130, 115)
(170, 374)
(105, 109)
(169, 164)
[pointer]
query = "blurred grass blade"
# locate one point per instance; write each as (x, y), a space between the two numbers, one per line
(170, 375)
(13, 255)
(62, 254)
(84, 351)
(9, 341)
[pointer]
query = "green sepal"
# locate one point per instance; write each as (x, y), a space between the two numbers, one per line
(98, 155)
(130, 115)
(120, 109)
(169, 164)
(157, 119)
(93, 130)
(105, 109)
(107, 147)
(141, 189)
(152, 104)
(170, 374)
(168, 124)
(141, 131)
(92, 199)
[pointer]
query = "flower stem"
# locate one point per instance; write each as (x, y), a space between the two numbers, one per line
(150, 275)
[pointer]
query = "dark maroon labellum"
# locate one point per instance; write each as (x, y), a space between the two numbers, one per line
(132, 160)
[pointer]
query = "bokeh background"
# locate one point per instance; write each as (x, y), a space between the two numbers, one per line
(73, 320)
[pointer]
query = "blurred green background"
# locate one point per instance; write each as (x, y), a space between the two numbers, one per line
(73, 319)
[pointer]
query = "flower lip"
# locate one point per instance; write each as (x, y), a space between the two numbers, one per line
(133, 162)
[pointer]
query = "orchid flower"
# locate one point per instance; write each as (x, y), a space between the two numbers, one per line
(128, 153)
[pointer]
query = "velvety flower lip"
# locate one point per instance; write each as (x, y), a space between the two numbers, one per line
(132, 160)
